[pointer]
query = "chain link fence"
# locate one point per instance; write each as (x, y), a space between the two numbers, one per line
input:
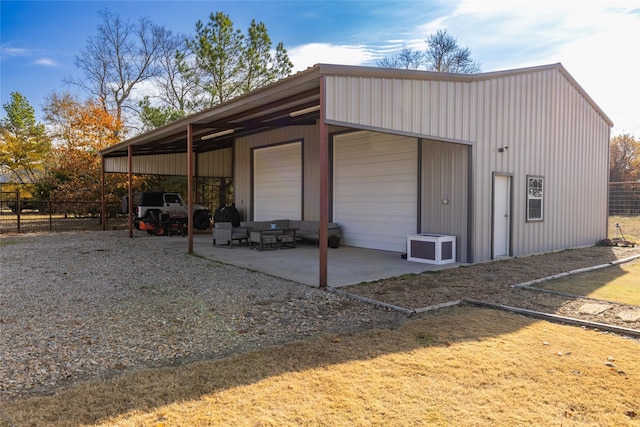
(31, 215)
(28, 215)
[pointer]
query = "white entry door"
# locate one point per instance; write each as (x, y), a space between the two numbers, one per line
(501, 215)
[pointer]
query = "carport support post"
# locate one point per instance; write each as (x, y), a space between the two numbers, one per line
(324, 189)
(190, 187)
(130, 186)
(103, 202)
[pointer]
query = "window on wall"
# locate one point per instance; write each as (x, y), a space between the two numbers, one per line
(535, 198)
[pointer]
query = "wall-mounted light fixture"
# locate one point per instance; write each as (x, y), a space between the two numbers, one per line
(502, 149)
(304, 111)
(221, 133)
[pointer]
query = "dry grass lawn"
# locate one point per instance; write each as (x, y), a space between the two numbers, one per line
(629, 227)
(457, 366)
(618, 285)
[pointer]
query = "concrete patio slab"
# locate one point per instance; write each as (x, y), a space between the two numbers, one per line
(346, 265)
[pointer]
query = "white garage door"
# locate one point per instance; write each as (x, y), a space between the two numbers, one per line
(375, 189)
(277, 182)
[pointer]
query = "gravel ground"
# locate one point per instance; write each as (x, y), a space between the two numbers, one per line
(89, 305)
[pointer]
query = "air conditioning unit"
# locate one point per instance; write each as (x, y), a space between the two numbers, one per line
(431, 248)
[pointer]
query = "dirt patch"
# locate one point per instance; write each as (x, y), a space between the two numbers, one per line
(494, 282)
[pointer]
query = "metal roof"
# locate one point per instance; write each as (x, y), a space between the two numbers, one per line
(271, 107)
(262, 109)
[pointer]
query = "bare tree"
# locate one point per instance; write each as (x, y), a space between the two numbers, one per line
(174, 92)
(120, 57)
(406, 58)
(444, 55)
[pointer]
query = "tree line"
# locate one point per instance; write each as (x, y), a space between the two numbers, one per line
(139, 76)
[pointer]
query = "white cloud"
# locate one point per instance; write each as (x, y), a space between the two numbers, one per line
(597, 42)
(47, 62)
(9, 52)
(305, 56)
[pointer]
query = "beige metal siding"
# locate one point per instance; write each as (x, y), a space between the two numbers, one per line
(412, 107)
(310, 149)
(216, 163)
(161, 164)
(115, 164)
(551, 130)
(444, 182)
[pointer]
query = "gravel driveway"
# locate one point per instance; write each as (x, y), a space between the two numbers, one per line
(92, 304)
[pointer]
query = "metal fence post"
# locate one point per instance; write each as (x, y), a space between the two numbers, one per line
(18, 209)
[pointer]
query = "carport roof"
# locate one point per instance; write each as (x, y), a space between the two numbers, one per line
(259, 110)
(271, 107)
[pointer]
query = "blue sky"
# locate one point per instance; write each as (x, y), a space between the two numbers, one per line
(597, 41)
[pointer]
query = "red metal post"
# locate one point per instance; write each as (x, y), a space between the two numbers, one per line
(190, 186)
(324, 189)
(130, 183)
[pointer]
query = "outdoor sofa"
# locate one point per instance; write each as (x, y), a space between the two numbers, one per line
(309, 231)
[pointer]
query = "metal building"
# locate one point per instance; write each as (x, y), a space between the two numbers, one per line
(512, 162)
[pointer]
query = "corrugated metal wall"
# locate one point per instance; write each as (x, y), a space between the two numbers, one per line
(414, 107)
(550, 128)
(553, 132)
(444, 208)
(217, 164)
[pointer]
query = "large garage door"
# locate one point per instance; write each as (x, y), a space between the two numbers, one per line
(277, 182)
(375, 189)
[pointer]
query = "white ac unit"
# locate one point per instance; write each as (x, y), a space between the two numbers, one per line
(431, 248)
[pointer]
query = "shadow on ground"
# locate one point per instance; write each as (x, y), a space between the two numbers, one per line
(147, 392)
